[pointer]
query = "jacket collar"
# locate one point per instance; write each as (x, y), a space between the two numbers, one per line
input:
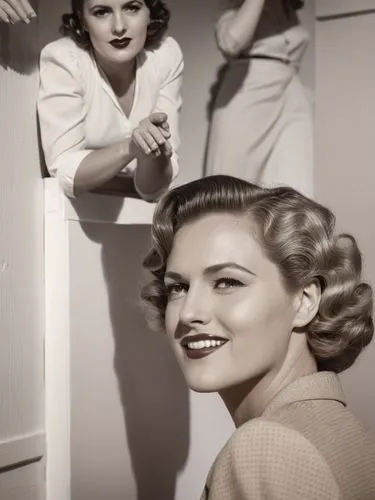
(321, 385)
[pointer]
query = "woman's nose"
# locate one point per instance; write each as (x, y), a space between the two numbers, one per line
(119, 25)
(196, 309)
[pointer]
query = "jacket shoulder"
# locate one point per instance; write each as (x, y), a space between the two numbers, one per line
(263, 455)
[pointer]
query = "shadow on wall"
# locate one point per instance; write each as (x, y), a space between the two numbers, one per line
(220, 98)
(19, 47)
(154, 395)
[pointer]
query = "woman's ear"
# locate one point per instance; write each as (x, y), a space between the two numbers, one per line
(307, 304)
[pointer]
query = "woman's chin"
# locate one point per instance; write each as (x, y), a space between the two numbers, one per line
(204, 385)
(113, 56)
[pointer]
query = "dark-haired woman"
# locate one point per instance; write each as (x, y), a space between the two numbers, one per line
(109, 98)
(263, 302)
(261, 127)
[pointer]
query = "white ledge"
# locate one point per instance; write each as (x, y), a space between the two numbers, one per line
(21, 449)
(92, 207)
(332, 8)
(61, 213)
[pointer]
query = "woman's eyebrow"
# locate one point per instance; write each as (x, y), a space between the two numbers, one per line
(172, 275)
(211, 270)
(98, 5)
(106, 6)
(132, 1)
(225, 265)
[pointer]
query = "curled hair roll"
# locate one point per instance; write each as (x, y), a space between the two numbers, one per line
(159, 21)
(296, 4)
(71, 26)
(344, 323)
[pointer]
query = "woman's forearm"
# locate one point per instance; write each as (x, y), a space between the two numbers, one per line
(153, 174)
(101, 165)
(235, 32)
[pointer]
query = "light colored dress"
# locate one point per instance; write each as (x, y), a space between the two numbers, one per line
(79, 112)
(261, 128)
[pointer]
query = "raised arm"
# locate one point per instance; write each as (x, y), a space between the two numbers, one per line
(236, 27)
(151, 180)
(61, 110)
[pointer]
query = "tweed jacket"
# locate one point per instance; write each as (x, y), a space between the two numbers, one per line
(305, 446)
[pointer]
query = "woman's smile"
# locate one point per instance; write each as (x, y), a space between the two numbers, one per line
(201, 345)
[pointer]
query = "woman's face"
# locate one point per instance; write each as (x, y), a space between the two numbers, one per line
(117, 28)
(229, 318)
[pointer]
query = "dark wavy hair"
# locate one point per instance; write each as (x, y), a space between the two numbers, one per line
(298, 235)
(295, 4)
(71, 25)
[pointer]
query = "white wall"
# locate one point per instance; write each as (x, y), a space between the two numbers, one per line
(21, 267)
(345, 149)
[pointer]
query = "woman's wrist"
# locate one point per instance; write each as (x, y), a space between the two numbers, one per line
(127, 152)
(153, 176)
(102, 165)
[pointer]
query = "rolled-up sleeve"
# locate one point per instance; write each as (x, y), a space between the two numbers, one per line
(227, 9)
(170, 100)
(169, 63)
(61, 112)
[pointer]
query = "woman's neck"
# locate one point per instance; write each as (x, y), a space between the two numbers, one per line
(249, 399)
(120, 76)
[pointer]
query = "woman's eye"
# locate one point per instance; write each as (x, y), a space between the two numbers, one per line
(175, 290)
(133, 8)
(100, 13)
(227, 283)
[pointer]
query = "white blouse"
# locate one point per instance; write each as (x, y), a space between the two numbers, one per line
(79, 112)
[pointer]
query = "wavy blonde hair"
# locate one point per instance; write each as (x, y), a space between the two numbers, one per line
(298, 235)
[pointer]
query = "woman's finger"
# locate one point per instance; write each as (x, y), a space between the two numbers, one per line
(30, 12)
(158, 118)
(165, 125)
(14, 11)
(4, 16)
(142, 144)
(150, 140)
(166, 133)
(157, 133)
(167, 149)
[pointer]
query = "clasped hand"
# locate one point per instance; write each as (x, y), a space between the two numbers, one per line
(151, 137)
(14, 11)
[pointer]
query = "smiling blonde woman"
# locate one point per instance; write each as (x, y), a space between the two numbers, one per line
(110, 96)
(264, 303)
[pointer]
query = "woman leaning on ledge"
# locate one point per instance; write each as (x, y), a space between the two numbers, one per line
(109, 98)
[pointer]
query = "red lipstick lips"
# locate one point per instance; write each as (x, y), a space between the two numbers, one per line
(201, 345)
(120, 43)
